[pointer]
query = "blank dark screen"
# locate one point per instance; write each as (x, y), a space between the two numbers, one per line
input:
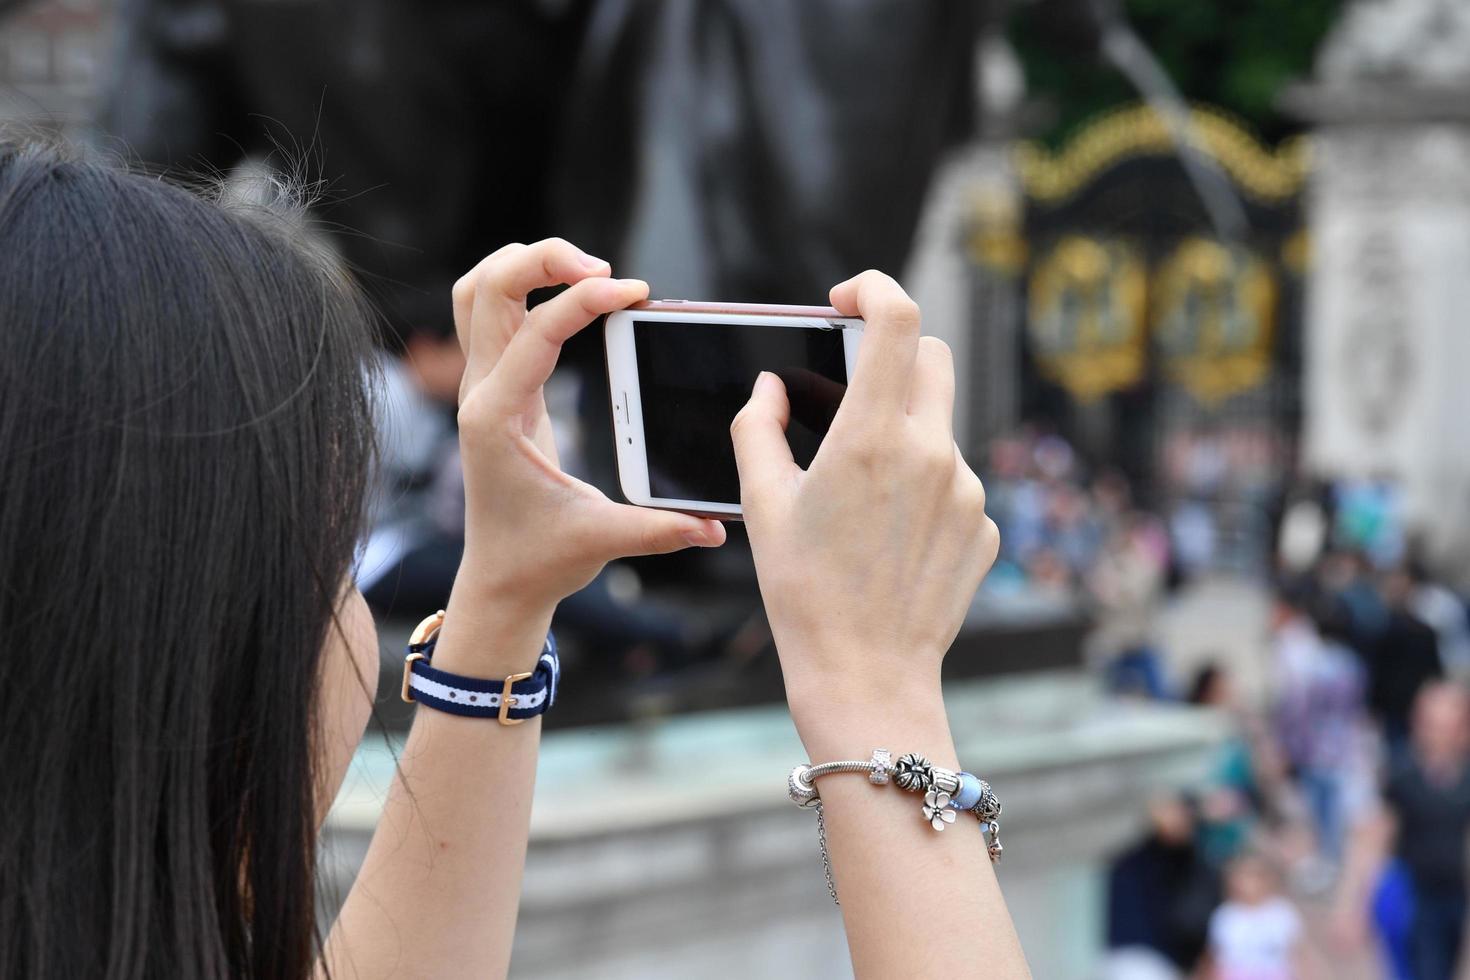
(694, 377)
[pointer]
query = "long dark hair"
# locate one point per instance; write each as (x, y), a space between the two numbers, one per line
(184, 448)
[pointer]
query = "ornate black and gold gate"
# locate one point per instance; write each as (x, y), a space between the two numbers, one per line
(1151, 342)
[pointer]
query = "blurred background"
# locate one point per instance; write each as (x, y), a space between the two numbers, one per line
(1203, 266)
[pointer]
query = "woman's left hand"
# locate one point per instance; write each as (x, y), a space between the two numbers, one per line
(533, 534)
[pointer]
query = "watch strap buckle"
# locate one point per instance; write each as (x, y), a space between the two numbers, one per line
(508, 700)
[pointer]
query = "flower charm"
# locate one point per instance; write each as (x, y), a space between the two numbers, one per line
(937, 810)
(913, 773)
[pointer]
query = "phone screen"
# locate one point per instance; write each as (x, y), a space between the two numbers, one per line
(694, 377)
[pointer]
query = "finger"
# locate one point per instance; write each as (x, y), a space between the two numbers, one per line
(532, 353)
(931, 395)
(762, 454)
(814, 397)
(490, 300)
(462, 295)
(624, 531)
(885, 361)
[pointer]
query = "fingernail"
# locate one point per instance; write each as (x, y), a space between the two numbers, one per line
(633, 282)
(763, 380)
(699, 539)
(590, 261)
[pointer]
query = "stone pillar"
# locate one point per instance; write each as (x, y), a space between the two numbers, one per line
(1388, 343)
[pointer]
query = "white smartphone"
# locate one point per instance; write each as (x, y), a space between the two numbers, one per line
(679, 370)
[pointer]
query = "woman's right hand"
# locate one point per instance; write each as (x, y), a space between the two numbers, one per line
(868, 560)
(533, 533)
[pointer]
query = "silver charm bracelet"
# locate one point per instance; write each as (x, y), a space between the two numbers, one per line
(945, 792)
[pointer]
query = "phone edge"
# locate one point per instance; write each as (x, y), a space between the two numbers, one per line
(738, 516)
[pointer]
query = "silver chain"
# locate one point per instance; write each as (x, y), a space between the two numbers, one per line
(912, 773)
(830, 767)
(826, 861)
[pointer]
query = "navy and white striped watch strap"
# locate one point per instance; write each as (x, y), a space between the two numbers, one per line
(512, 699)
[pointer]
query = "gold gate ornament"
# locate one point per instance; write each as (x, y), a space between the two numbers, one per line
(1214, 318)
(1086, 317)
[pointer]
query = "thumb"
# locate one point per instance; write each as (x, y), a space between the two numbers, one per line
(759, 432)
(626, 531)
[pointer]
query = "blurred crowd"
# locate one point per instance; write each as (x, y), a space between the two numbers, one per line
(1342, 802)
(1074, 529)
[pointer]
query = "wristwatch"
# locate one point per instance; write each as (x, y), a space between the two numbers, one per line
(510, 700)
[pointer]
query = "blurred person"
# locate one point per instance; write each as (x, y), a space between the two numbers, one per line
(1018, 499)
(1194, 537)
(417, 506)
(1257, 933)
(1228, 803)
(1319, 711)
(1112, 497)
(1285, 830)
(193, 432)
(1369, 519)
(1302, 532)
(1407, 866)
(1049, 574)
(1125, 585)
(1138, 671)
(1162, 891)
(1402, 659)
(1347, 575)
(1128, 577)
(1442, 610)
(1074, 530)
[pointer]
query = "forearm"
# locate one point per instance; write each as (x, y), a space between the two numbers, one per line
(438, 892)
(1368, 849)
(914, 901)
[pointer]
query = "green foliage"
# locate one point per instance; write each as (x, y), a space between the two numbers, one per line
(1236, 54)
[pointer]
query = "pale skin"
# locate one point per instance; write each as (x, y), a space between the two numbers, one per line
(889, 516)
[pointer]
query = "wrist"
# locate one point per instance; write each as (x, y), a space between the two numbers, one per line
(489, 632)
(490, 578)
(843, 722)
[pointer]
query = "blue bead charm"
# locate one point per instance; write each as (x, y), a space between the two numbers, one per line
(969, 793)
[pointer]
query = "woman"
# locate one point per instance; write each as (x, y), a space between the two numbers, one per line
(185, 440)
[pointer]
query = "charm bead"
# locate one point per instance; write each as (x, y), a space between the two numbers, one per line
(946, 780)
(969, 793)
(801, 790)
(878, 775)
(913, 773)
(988, 808)
(937, 809)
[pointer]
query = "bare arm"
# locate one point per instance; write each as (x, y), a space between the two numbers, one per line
(1308, 962)
(438, 891)
(1369, 846)
(867, 562)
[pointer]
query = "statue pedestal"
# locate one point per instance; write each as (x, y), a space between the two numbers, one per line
(1389, 217)
(672, 850)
